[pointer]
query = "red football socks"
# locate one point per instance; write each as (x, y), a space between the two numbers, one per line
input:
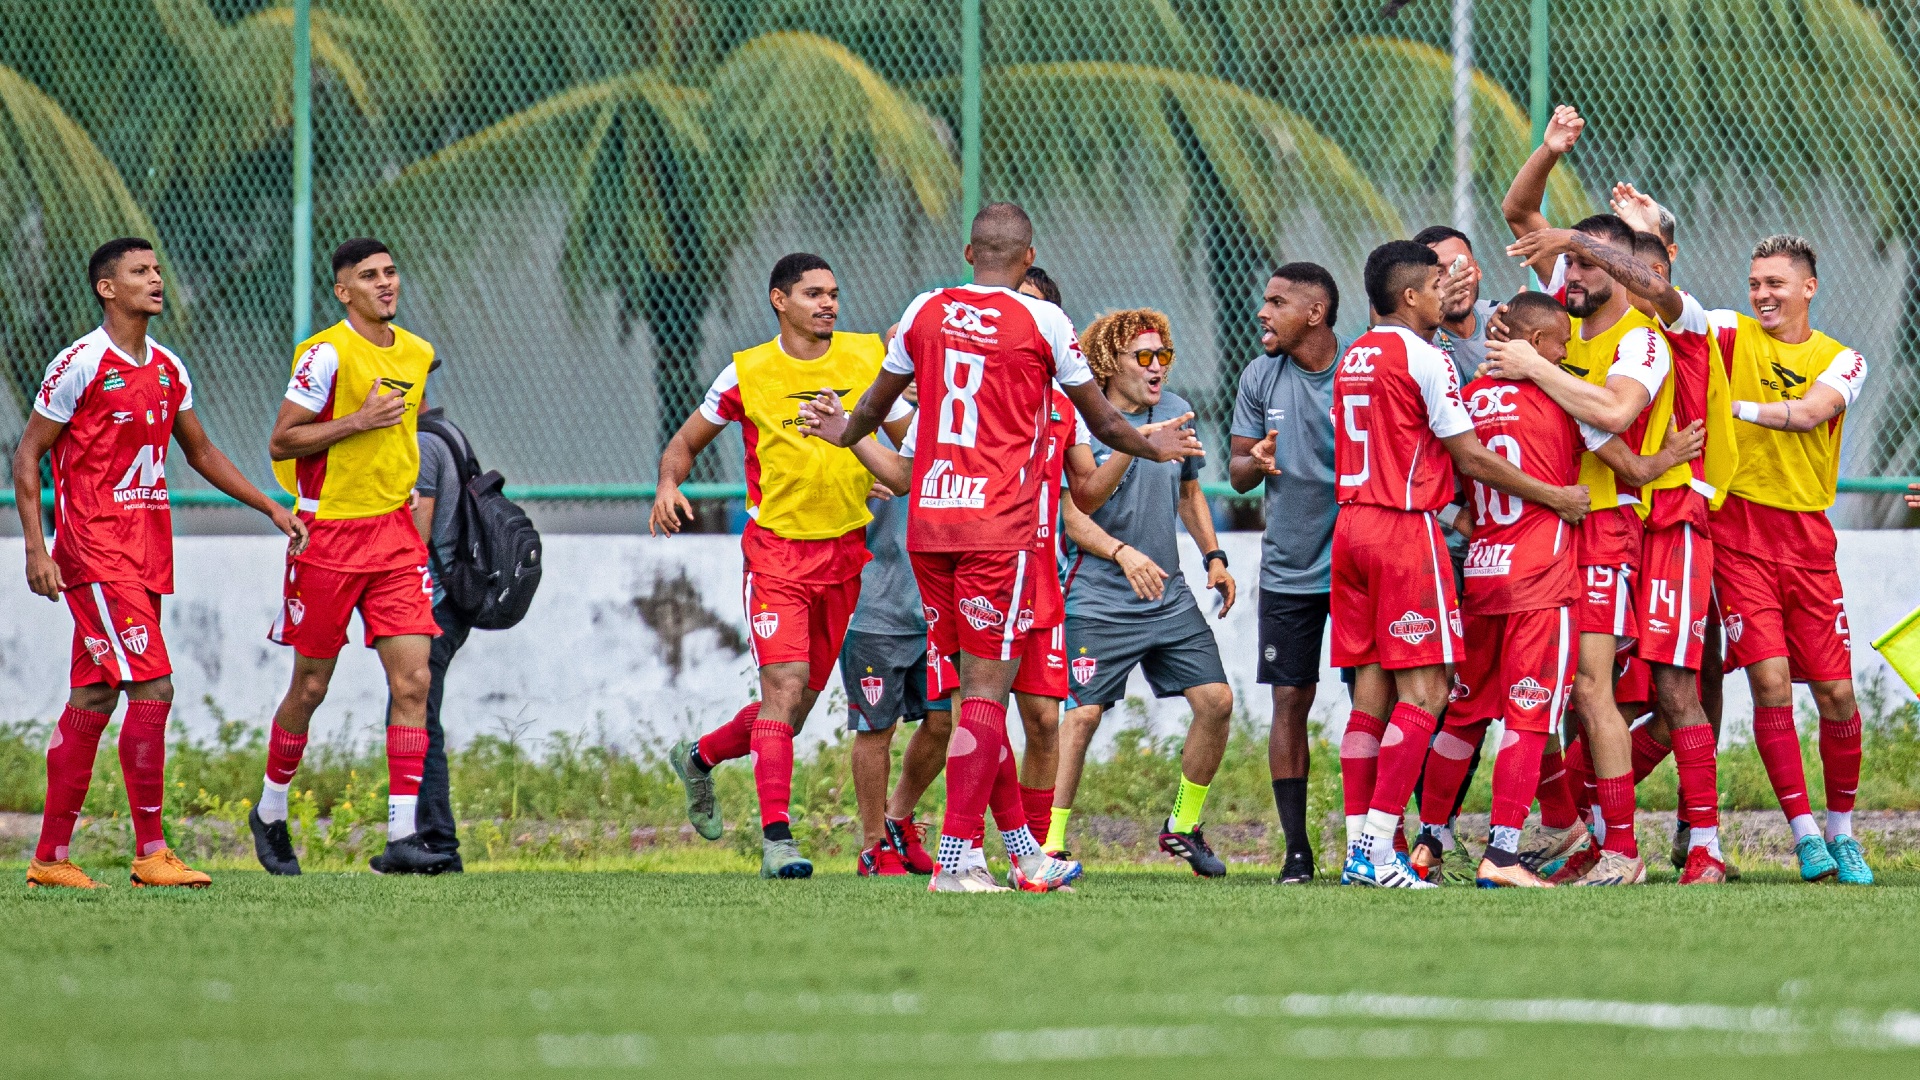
(1693, 755)
(284, 751)
(406, 759)
(1840, 761)
(733, 739)
(1360, 760)
(772, 745)
(70, 753)
(1402, 751)
(1039, 804)
(1447, 762)
(1556, 802)
(1009, 808)
(1648, 753)
(973, 758)
(1779, 745)
(1616, 809)
(143, 762)
(1581, 782)
(1516, 776)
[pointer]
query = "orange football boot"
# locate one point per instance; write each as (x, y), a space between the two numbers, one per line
(164, 868)
(61, 874)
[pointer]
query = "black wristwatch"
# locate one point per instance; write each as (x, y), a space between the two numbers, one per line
(1206, 563)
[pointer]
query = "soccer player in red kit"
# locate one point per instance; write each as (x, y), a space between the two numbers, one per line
(981, 520)
(109, 406)
(1400, 429)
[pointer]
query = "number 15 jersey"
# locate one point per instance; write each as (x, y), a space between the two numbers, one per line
(1394, 398)
(1523, 557)
(985, 360)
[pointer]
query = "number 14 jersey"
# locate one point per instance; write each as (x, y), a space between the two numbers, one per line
(1523, 557)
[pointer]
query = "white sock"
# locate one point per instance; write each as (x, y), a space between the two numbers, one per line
(1707, 837)
(1442, 833)
(1019, 842)
(273, 801)
(975, 856)
(1504, 837)
(400, 816)
(1839, 823)
(1378, 835)
(952, 854)
(1354, 822)
(1802, 825)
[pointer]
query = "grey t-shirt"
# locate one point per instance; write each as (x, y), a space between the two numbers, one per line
(1143, 513)
(439, 481)
(1467, 353)
(1278, 395)
(889, 595)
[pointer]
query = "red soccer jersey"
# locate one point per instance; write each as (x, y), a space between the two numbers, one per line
(1690, 341)
(985, 359)
(1523, 556)
(1065, 428)
(1394, 398)
(111, 516)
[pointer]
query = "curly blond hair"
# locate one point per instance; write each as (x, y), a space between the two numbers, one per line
(1110, 335)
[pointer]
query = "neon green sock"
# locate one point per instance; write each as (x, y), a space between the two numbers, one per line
(1057, 829)
(1187, 805)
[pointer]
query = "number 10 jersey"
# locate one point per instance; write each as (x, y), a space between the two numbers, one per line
(1523, 557)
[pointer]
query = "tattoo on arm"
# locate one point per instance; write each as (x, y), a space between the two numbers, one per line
(1633, 275)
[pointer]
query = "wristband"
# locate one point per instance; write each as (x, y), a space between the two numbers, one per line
(1206, 561)
(1747, 410)
(1118, 548)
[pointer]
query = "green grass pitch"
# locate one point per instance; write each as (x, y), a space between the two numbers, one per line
(1140, 973)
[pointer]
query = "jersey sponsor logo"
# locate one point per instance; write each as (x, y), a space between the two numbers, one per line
(59, 372)
(1489, 560)
(150, 419)
(1529, 695)
(1735, 626)
(1659, 627)
(980, 613)
(1574, 369)
(766, 623)
(296, 610)
(871, 687)
(1790, 380)
(1083, 669)
(303, 372)
(135, 639)
(944, 489)
(809, 395)
(164, 381)
(121, 417)
(1412, 628)
(143, 480)
(113, 380)
(1359, 360)
(968, 319)
(1492, 401)
(98, 649)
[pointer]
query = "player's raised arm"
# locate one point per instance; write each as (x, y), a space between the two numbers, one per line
(43, 576)
(1544, 245)
(208, 460)
(1521, 206)
(1174, 442)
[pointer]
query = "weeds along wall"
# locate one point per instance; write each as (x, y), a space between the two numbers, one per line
(586, 195)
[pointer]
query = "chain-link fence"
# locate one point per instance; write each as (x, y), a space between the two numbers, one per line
(586, 195)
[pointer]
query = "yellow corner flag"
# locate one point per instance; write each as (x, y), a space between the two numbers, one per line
(1900, 647)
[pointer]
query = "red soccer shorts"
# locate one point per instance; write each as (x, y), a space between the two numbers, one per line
(1676, 584)
(1772, 609)
(791, 622)
(1518, 667)
(974, 599)
(1606, 603)
(116, 634)
(1043, 663)
(318, 601)
(942, 677)
(1634, 685)
(1393, 599)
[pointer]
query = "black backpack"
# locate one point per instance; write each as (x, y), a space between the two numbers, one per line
(496, 558)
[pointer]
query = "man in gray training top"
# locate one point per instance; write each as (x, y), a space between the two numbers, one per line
(1283, 435)
(1127, 602)
(437, 502)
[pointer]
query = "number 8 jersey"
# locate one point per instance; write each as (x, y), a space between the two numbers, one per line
(985, 360)
(1394, 398)
(1523, 557)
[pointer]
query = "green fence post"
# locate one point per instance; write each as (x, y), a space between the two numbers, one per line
(1539, 56)
(969, 114)
(302, 170)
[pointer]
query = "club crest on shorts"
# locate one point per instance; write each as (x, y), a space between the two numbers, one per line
(1700, 628)
(871, 688)
(1529, 695)
(931, 613)
(980, 612)
(135, 639)
(1453, 620)
(1735, 626)
(1083, 668)
(1270, 653)
(1025, 622)
(296, 610)
(766, 623)
(98, 649)
(1412, 628)
(1461, 691)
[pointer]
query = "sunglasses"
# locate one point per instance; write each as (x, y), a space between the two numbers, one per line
(1146, 357)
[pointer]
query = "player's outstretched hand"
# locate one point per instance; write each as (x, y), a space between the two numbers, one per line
(293, 527)
(1913, 496)
(1563, 129)
(1262, 454)
(824, 417)
(1571, 503)
(1145, 575)
(1173, 440)
(43, 575)
(669, 507)
(1516, 360)
(1222, 582)
(1686, 443)
(381, 410)
(1635, 207)
(1542, 244)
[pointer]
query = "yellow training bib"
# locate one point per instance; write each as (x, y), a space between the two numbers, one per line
(808, 489)
(1787, 470)
(373, 472)
(1591, 359)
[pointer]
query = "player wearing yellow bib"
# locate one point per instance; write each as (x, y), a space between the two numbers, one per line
(344, 444)
(1780, 598)
(804, 543)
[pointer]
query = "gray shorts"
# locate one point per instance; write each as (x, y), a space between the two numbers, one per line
(885, 676)
(1177, 654)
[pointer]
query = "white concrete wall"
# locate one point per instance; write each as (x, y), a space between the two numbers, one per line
(586, 660)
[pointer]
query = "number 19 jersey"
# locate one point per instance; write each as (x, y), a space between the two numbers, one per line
(1523, 557)
(1394, 398)
(985, 360)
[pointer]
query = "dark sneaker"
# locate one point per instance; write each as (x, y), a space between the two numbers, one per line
(1194, 849)
(272, 846)
(408, 855)
(1297, 870)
